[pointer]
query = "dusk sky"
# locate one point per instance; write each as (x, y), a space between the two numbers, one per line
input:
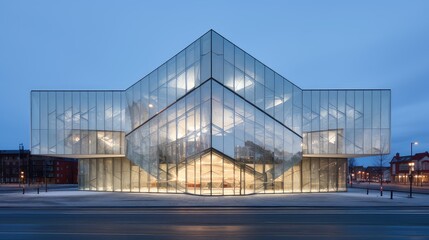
(56, 45)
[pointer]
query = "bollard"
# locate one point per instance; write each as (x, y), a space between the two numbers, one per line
(391, 194)
(37, 190)
(381, 191)
(367, 191)
(23, 190)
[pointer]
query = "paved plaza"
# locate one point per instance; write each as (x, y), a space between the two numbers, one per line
(69, 197)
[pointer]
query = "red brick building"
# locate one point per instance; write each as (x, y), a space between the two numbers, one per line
(36, 168)
(12, 162)
(400, 169)
(65, 171)
(370, 174)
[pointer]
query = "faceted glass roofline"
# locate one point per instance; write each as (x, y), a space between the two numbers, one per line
(256, 83)
(212, 56)
(207, 38)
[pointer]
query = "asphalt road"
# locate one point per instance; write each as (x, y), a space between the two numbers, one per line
(215, 223)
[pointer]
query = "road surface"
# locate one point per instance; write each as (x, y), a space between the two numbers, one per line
(215, 223)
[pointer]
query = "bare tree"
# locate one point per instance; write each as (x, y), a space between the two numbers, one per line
(380, 162)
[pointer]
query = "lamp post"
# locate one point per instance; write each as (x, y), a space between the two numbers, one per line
(411, 156)
(410, 176)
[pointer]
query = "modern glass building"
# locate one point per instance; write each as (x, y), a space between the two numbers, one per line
(212, 120)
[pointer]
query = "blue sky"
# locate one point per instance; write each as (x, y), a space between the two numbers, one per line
(315, 44)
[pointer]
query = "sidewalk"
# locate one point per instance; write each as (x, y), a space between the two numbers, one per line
(15, 187)
(391, 186)
(70, 198)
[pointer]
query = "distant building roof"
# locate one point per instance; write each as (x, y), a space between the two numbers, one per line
(417, 156)
(376, 168)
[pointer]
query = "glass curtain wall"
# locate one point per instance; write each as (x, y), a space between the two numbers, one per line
(77, 122)
(109, 174)
(256, 83)
(354, 122)
(254, 140)
(324, 174)
(161, 145)
(171, 81)
(212, 173)
(169, 147)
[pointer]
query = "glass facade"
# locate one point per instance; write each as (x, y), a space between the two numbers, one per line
(347, 122)
(212, 173)
(77, 122)
(212, 120)
(162, 145)
(168, 83)
(256, 83)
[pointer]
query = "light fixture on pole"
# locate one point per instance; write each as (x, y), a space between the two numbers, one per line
(411, 156)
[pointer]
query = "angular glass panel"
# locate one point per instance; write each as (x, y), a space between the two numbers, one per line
(249, 63)
(101, 175)
(249, 85)
(181, 84)
(180, 64)
(217, 43)
(324, 175)
(296, 172)
(306, 175)
(228, 75)
(385, 109)
(229, 52)
(239, 82)
(126, 176)
(269, 79)
(333, 175)
(239, 59)
(35, 110)
(191, 55)
(315, 174)
(342, 173)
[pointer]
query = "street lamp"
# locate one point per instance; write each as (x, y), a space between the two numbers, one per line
(411, 156)
(410, 175)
